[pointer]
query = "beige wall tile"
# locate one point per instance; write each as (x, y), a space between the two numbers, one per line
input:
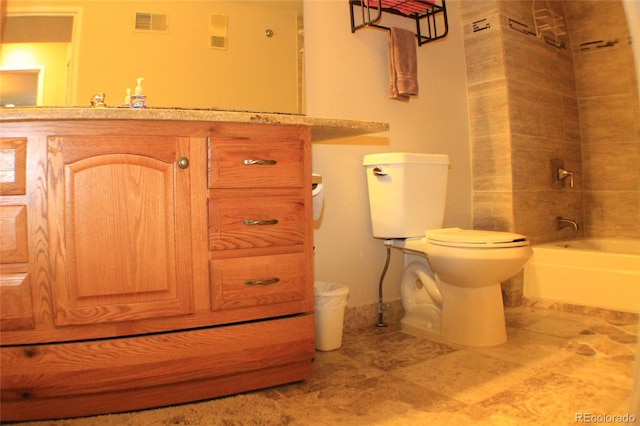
(493, 210)
(535, 111)
(608, 118)
(606, 71)
(471, 10)
(491, 163)
(571, 119)
(612, 214)
(611, 166)
(531, 60)
(532, 169)
(595, 20)
(520, 10)
(537, 212)
(484, 54)
(488, 110)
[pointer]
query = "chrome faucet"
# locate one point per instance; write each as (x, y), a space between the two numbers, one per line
(566, 223)
(97, 100)
(563, 174)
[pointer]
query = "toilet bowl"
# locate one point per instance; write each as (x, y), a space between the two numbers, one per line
(451, 285)
(466, 267)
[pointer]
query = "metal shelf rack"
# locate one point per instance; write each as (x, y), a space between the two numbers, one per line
(430, 16)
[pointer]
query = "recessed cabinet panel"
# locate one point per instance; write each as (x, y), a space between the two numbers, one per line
(255, 163)
(258, 281)
(13, 166)
(121, 207)
(238, 223)
(13, 234)
(16, 309)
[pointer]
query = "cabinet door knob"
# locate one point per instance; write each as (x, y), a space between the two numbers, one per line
(262, 282)
(183, 163)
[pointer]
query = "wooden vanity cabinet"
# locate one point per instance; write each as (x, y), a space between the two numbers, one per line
(148, 263)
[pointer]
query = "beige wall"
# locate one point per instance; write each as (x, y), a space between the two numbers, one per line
(347, 77)
(53, 56)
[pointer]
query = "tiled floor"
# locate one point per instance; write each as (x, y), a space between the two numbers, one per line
(556, 367)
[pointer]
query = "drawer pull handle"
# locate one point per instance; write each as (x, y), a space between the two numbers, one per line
(260, 162)
(252, 222)
(262, 282)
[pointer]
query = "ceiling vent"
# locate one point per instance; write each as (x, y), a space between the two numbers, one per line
(155, 22)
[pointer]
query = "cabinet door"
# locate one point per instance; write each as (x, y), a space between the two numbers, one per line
(119, 221)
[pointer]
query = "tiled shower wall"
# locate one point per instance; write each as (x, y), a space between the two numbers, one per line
(609, 115)
(533, 104)
(524, 114)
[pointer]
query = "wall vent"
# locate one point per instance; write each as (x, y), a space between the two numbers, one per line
(218, 31)
(151, 22)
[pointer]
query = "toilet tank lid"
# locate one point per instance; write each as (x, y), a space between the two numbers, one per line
(404, 158)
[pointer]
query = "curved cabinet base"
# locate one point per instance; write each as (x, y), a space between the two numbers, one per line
(113, 375)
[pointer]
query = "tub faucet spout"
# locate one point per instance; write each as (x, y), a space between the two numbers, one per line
(566, 223)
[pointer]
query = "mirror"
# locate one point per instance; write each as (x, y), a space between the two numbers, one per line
(231, 55)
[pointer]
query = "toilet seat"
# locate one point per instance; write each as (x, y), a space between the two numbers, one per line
(474, 238)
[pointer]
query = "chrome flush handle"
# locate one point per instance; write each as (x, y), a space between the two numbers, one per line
(377, 171)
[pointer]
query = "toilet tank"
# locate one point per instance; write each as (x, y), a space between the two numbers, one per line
(407, 193)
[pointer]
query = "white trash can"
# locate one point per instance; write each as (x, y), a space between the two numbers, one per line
(330, 303)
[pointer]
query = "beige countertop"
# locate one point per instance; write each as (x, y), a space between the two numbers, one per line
(321, 128)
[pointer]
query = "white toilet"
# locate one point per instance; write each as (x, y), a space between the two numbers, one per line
(451, 283)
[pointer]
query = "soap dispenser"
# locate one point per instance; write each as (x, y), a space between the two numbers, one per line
(139, 99)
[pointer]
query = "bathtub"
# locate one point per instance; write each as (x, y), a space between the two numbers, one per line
(600, 273)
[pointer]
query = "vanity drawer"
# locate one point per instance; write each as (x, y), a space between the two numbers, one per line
(258, 281)
(255, 163)
(241, 223)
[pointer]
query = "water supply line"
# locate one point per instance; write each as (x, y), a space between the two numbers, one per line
(381, 305)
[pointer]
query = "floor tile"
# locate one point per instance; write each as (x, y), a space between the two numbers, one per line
(466, 375)
(524, 347)
(555, 396)
(393, 350)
